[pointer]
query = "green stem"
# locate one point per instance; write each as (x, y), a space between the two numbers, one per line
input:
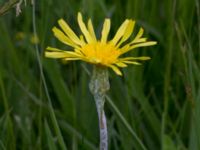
(99, 85)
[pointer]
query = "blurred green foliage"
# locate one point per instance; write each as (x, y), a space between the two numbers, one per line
(158, 102)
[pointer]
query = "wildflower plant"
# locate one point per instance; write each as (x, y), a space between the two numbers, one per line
(102, 53)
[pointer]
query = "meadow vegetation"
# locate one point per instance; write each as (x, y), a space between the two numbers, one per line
(46, 103)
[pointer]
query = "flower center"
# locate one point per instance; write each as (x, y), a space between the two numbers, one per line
(101, 53)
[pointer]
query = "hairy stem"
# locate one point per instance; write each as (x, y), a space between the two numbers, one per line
(99, 85)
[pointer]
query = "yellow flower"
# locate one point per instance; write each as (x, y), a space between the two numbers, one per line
(20, 36)
(34, 39)
(101, 52)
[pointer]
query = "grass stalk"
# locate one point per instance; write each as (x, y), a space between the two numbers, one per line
(52, 114)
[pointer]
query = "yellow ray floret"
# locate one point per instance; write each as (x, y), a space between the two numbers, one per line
(103, 52)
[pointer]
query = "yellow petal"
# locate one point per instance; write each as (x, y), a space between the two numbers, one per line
(68, 31)
(91, 29)
(121, 64)
(149, 43)
(135, 58)
(56, 54)
(84, 30)
(82, 38)
(139, 35)
(120, 32)
(128, 32)
(52, 49)
(60, 53)
(105, 30)
(132, 62)
(63, 38)
(78, 51)
(116, 70)
(139, 40)
(68, 59)
(124, 48)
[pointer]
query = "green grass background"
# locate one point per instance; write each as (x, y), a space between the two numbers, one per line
(155, 106)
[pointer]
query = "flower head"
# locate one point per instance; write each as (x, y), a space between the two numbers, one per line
(103, 52)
